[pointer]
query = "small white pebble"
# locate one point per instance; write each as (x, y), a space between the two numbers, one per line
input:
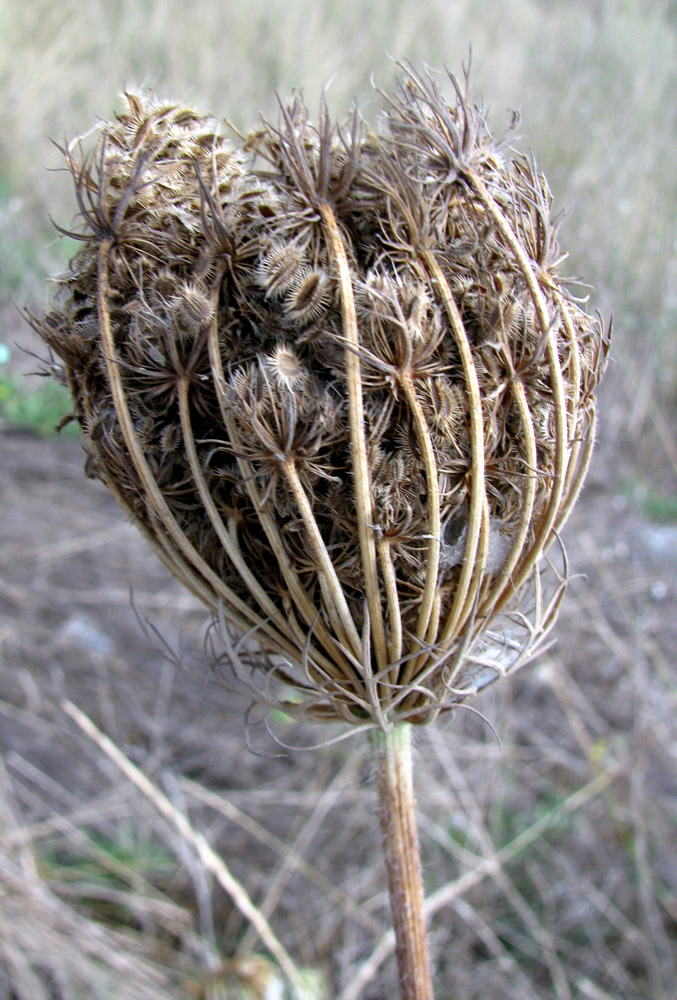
(620, 550)
(459, 820)
(658, 591)
(83, 632)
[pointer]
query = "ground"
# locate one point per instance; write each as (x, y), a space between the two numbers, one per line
(87, 614)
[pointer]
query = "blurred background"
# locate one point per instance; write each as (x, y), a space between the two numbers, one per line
(584, 905)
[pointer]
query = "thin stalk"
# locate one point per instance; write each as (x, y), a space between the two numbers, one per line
(503, 584)
(335, 599)
(358, 439)
(240, 614)
(428, 620)
(574, 365)
(302, 601)
(544, 532)
(228, 541)
(392, 752)
(394, 613)
(477, 498)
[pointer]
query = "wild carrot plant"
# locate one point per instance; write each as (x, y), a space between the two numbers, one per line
(335, 379)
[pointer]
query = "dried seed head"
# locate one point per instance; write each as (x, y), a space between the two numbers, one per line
(372, 500)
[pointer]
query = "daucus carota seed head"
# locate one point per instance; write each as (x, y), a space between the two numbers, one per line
(372, 338)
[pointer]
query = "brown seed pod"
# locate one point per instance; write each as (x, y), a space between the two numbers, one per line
(191, 309)
(285, 368)
(280, 268)
(382, 355)
(307, 297)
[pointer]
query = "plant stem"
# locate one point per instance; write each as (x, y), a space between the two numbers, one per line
(392, 751)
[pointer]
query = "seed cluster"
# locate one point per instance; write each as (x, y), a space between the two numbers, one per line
(337, 382)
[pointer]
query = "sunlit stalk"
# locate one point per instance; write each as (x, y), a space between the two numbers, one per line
(392, 754)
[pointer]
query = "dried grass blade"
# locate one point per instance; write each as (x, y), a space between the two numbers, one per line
(208, 857)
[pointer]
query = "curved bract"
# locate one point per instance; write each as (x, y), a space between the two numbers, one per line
(336, 380)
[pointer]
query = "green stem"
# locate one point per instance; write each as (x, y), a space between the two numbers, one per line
(392, 752)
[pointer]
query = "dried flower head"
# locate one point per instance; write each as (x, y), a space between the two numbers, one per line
(340, 385)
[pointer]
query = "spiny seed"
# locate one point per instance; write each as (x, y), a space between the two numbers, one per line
(446, 406)
(380, 292)
(306, 300)
(191, 309)
(416, 311)
(285, 368)
(280, 268)
(170, 439)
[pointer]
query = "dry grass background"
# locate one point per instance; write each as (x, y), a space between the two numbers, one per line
(549, 858)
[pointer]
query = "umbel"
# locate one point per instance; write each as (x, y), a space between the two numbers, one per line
(336, 380)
